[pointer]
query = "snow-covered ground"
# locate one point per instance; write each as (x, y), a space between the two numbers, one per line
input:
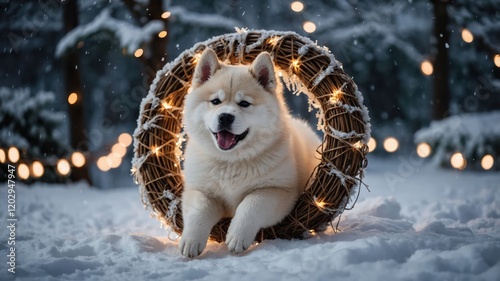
(417, 223)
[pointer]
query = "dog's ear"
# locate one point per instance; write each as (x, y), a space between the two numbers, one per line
(207, 65)
(263, 70)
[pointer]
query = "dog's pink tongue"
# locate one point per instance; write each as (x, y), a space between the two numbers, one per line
(225, 139)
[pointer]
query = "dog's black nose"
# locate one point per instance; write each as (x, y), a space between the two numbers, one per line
(225, 120)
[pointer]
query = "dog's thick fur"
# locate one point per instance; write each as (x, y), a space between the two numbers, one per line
(251, 166)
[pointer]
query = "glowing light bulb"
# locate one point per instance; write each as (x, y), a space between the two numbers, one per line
(320, 204)
(358, 145)
(309, 26)
(166, 105)
(63, 167)
(196, 57)
(391, 144)
(273, 40)
(138, 52)
(458, 161)
(72, 98)
(297, 6)
(424, 150)
(372, 144)
(487, 162)
(125, 139)
(336, 96)
(37, 169)
(13, 154)
(162, 34)
(467, 36)
(426, 68)
(155, 150)
(23, 171)
(295, 64)
(78, 159)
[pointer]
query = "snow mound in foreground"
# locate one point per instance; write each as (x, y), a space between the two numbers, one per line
(77, 233)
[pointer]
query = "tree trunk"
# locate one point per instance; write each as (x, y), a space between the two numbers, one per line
(441, 87)
(78, 138)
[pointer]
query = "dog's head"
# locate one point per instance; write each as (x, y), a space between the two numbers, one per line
(234, 111)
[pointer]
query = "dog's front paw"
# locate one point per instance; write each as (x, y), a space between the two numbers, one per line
(238, 242)
(191, 247)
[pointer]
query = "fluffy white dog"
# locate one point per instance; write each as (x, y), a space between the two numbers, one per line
(246, 157)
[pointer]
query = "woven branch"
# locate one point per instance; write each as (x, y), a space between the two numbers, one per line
(305, 67)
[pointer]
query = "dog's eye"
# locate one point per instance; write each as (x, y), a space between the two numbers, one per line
(244, 104)
(216, 101)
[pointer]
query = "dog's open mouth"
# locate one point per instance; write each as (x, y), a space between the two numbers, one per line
(227, 140)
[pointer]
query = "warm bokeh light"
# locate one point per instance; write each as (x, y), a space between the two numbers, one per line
(372, 144)
(63, 167)
(320, 204)
(155, 150)
(458, 161)
(114, 160)
(102, 164)
(309, 26)
(426, 67)
(297, 6)
(72, 98)
(467, 36)
(125, 139)
(138, 52)
(78, 159)
(23, 171)
(295, 64)
(273, 40)
(119, 149)
(166, 105)
(37, 169)
(424, 150)
(487, 162)
(166, 15)
(13, 154)
(162, 34)
(391, 144)
(336, 96)
(2, 156)
(496, 60)
(358, 145)
(196, 57)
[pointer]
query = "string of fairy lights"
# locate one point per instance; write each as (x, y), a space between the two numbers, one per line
(162, 34)
(426, 65)
(35, 168)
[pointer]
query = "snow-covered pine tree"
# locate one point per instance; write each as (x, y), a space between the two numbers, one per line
(29, 122)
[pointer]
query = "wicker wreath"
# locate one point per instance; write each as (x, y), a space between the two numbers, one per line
(305, 67)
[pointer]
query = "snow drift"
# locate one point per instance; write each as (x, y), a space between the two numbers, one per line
(439, 225)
